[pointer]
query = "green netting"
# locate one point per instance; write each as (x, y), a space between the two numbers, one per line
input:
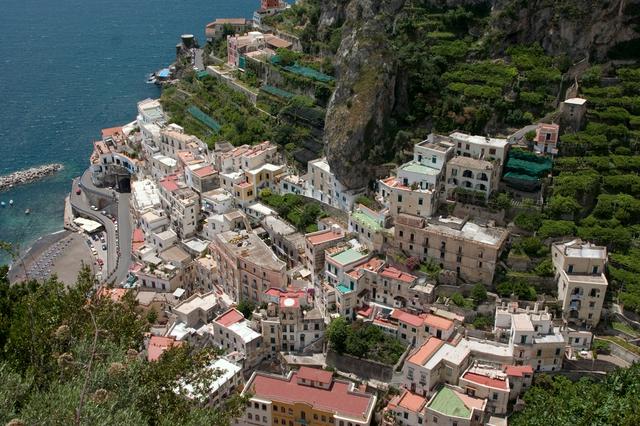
(309, 73)
(530, 168)
(529, 156)
(518, 176)
(201, 74)
(521, 182)
(203, 118)
(275, 60)
(277, 92)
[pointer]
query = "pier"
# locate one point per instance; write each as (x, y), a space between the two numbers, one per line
(27, 176)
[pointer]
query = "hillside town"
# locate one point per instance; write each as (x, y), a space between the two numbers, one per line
(335, 306)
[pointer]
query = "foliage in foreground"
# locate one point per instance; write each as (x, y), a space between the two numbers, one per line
(69, 359)
(558, 401)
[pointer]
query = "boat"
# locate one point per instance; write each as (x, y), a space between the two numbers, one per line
(152, 79)
(27, 211)
(11, 202)
(2, 204)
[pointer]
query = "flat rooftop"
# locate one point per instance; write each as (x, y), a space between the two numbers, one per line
(469, 231)
(365, 219)
(348, 256)
(479, 140)
(249, 246)
(204, 302)
(416, 167)
(325, 236)
(470, 163)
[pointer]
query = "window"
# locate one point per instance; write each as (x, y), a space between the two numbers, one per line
(523, 339)
(434, 159)
(539, 352)
(435, 419)
(405, 415)
(558, 350)
(419, 201)
(595, 269)
(570, 269)
(399, 198)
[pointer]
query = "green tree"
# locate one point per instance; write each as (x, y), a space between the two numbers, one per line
(337, 333)
(479, 293)
(246, 307)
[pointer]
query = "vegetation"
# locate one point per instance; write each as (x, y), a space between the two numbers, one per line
(364, 341)
(301, 212)
(246, 307)
(558, 401)
(518, 287)
(70, 357)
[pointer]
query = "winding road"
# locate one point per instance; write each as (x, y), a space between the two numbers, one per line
(118, 261)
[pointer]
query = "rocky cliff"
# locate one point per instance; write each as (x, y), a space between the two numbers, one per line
(371, 88)
(577, 28)
(365, 89)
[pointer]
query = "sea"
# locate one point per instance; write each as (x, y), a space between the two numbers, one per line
(69, 68)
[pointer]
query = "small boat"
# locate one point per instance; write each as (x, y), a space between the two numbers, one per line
(152, 79)
(27, 211)
(11, 202)
(2, 204)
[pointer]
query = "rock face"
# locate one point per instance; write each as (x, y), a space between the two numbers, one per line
(365, 90)
(584, 28)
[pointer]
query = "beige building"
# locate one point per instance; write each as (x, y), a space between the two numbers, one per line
(247, 266)
(181, 204)
(233, 333)
(401, 198)
(482, 148)
(532, 336)
(286, 241)
(371, 226)
(317, 242)
(173, 139)
(326, 188)
(582, 285)
(488, 382)
(290, 323)
(197, 310)
(468, 249)
(470, 179)
(244, 157)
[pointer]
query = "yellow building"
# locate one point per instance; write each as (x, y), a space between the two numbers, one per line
(309, 397)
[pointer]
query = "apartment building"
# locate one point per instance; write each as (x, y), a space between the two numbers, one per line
(201, 177)
(245, 157)
(198, 309)
(217, 201)
(406, 409)
(339, 262)
(371, 226)
(150, 120)
(316, 243)
(226, 381)
(326, 188)
(309, 396)
(232, 332)
(173, 139)
(181, 204)
(204, 273)
(292, 184)
(546, 139)
(401, 198)
(470, 179)
(459, 245)
(532, 336)
(247, 266)
(286, 241)
(483, 148)
(489, 382)
(215, 30)
(449, 405)
(392, 287)
(579, 267)
(290, 323)
(435, 151)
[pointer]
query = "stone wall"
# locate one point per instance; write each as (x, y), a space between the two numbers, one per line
(363, 368)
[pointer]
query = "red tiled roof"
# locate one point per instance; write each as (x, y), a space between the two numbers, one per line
(159, 344)
(412, 401)
(396, 274)
(230, 317)
(170, 183)
(425, 351)
(324, 237)
(485, 380)
(365, 311)
(337, 398)
(373, 264)
(518, 370)
(315, 375)
(110, 131)
(137, 236)
(406, 317)
(204, 171)
(438, 322)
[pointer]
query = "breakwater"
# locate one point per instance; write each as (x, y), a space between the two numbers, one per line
(29, 175)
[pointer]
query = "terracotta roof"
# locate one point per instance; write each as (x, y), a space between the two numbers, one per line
(204, 171)
(486, 380)
(170, 183)
(373, 264)
(406, 317)
(159, 344)
(438, 322)
(396, 274)
(110, 131)
(315, 375)
(230, 317)
(425, 351)
(412, 401)
(323, 237)
(337, 399)
(518, 370)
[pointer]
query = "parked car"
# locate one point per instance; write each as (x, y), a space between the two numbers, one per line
(104, 213)
(104, 247)
(78, 191)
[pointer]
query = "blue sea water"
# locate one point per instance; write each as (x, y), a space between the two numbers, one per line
(69, 68)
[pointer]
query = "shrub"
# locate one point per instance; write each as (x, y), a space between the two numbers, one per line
(529, 221)
(556, 228)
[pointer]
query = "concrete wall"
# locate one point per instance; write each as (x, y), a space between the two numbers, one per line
(361, 367)
(621, 352)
